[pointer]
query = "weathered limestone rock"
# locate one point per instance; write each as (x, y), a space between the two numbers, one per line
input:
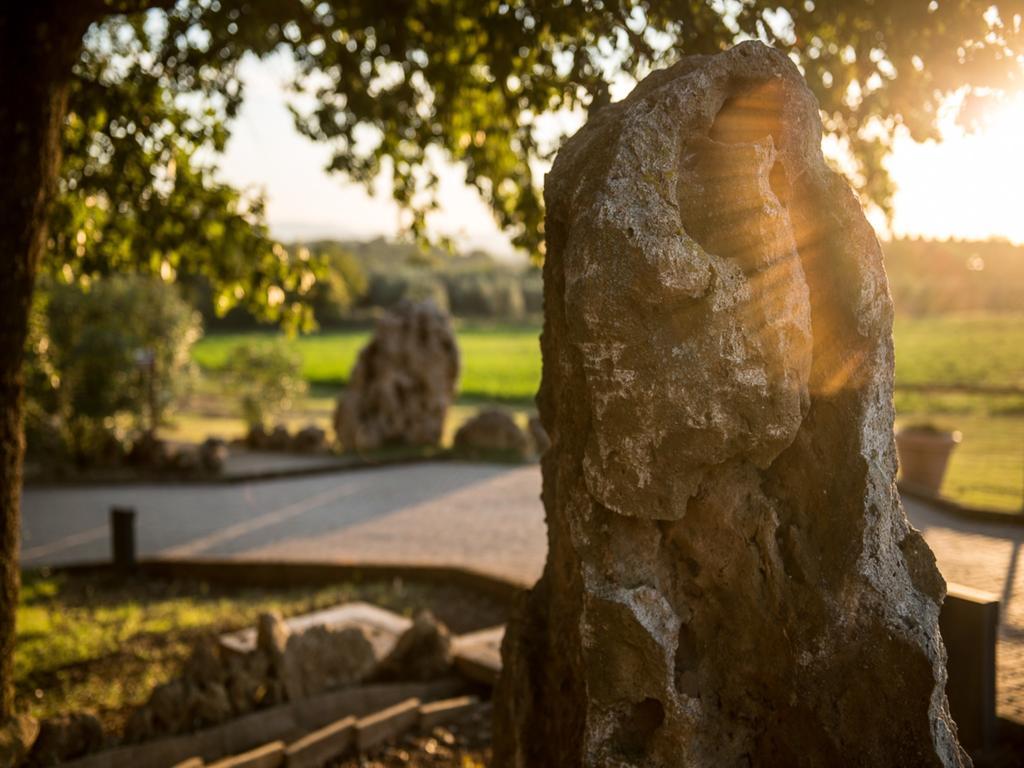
(422, 653)
(731, 579)
(322, 658)
(492, 431)
(402, 382)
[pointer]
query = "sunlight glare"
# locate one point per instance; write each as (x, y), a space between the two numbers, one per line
(969, 185)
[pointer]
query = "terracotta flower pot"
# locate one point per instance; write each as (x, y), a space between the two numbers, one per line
(924, 453)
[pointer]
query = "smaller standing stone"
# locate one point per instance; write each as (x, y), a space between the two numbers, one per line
(402, 383)
(490, 432)
(322, 658)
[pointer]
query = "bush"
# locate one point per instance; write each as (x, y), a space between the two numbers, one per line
(533, 291)
(120, 344)
(343, 285)
(485, 293)
(266, 377)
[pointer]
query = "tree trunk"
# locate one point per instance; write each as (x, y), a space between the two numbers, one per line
(39, 43)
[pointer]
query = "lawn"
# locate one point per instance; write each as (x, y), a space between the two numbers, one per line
(501, 363)
(970, 350)
(103, 642)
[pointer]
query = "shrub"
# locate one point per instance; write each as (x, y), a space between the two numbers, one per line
(343, 285)
(266, 377)
(119, 344)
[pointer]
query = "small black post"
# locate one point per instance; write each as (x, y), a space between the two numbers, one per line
(122, 537)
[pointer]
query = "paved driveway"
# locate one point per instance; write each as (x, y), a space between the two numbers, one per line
(479, 515)
(482, 516)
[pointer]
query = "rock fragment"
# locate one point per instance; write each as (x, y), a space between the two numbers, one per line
(492, 432)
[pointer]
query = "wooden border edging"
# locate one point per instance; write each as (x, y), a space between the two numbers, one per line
(286, 723)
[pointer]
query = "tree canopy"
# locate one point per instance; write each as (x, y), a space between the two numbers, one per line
(138, 191)
(388, 83)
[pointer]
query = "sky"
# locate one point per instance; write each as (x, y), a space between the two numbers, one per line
(967, 186)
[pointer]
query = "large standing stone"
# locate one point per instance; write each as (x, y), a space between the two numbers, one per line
(402, 383)
(731, 580)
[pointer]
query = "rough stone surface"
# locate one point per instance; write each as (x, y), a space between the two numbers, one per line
(730, 577)
(215, 685)
(423, 652)
(309, 439)
(402, 383)
(323, 658)
(492, 431)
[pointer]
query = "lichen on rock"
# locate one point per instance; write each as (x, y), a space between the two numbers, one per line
(731, 579)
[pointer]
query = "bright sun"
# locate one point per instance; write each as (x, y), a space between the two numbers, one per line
(968, 186)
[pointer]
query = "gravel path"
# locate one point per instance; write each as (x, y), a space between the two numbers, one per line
(477, 515)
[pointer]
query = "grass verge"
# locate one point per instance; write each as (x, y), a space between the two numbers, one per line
(102, 642)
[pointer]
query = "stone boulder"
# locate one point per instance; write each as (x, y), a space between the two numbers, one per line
(184, 460)
(730, 578)
(213, 454)
(491, 432)
(323, 658)
(65, 738)
(402, 383)
(214, 686)
(309, 439)
(422, 653)
(319, 658)
(279, 439)
(256, 438)
(148, 451)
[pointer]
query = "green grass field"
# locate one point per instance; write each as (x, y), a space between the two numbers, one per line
(502, 364)
(499, 363)
(961, 350)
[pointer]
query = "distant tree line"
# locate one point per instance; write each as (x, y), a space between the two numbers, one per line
(929, 277)
(360, 279)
